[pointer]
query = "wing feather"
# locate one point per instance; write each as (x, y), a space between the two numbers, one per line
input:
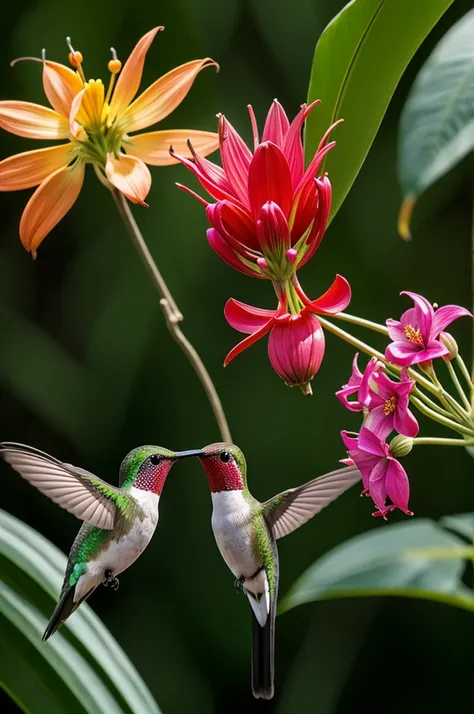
(289, 510)
(75, 490)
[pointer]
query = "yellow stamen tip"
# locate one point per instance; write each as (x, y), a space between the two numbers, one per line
(75, 59)
(114, 66)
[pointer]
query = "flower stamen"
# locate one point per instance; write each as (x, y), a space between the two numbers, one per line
(114, 68)
(390, 405)
(76, 59)
(413, 335)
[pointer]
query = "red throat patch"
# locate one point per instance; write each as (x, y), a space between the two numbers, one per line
(152, 477)
(221, 476)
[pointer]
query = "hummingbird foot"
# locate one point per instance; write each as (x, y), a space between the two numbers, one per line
(111, 581)
(239, 583)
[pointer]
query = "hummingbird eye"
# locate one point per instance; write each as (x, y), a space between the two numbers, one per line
(155, 459)
(225, 456)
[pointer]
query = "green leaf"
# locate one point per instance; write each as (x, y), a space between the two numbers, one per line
(357, 65)
(437, 124)
(414, 559)
(83, 654)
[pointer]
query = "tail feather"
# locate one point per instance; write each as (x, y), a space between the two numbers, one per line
(64, 608)
(263, 656)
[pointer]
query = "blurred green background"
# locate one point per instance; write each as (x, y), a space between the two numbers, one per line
(88, 371)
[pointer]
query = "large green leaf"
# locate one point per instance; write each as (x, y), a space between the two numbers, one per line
(357, 64)
(413, 559)
(437, 125)
(81, 668)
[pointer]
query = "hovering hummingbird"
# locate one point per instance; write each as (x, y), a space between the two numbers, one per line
(246, 532)
(118, 521)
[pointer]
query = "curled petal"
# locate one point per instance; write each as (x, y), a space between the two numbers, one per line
(32, 167)
(228, 255)
(235, 225)
(49, 204)
(210, 176)
(246, 318)
(131, 75)
(154, 147)
(236, 158)
(444, 316)
(424, 314)
(130, 175)
(269, 179)
(61, 85)
(277, 125)
(32, 121)
(248, 341)
(335, 299)
(164, 95)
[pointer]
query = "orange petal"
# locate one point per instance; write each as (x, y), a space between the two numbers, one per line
(154, 147)
(32, 121)
(49, 204)
(32, 167)
(130, 176)
(131, 75)
(164, 95)
(61, 85)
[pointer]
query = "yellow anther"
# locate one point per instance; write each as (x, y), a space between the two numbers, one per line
(114, 66)
(413, 335)
(76, 59)
(390, 405)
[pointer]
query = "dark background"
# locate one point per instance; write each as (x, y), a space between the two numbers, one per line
(88, 371)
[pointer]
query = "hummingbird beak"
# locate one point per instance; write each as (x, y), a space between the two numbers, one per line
(191, 452)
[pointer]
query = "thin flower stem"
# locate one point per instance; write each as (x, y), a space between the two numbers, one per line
(172, 314)
(354, 320)
(436, 416)
(417, 392)
(457, 384)
(432, 440)
(465, 373)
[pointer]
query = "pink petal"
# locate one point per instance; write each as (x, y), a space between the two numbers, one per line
(368, 441)
(335, 299)
(405, 422)
(405, 353)
(444, 316)
(377, 484)
(246, 318)
(248, 341)
(344, 393)
(212, 179)
(395, 330)
(269, 179)
(424, 314)
(313, 168)
(293, 147)
(236, 158)
(224, 251)
(235, 225)
(366, 394)
(379, 423)
(398, 486)
(276, 126)
(296, 348)
(321, 218)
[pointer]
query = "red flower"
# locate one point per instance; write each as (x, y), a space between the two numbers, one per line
(270, 213)
(296, 344)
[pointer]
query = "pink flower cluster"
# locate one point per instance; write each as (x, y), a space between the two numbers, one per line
(385, 403)
(268, 220)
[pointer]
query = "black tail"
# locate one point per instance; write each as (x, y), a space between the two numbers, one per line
(263, 656)
(65, 607)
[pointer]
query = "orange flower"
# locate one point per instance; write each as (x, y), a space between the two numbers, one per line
(97, 125)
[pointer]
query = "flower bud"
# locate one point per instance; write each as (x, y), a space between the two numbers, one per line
(296, 349)
(401, 446)
(448, 341)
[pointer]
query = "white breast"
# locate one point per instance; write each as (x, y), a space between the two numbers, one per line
(120, 554)
(231, 523)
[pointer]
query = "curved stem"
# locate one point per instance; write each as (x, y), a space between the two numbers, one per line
(354, 320)
(458, 386)
(465, 372)
(172, 314)
(436, 416)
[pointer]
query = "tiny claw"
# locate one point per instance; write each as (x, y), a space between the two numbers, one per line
(239, 583)
(111, 581)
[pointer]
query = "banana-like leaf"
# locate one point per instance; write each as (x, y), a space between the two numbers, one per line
(81, 668)
(413, 559)
(437, 124)
(357, 65)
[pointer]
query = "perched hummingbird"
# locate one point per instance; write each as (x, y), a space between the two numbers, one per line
(118, 522)
(246, 532)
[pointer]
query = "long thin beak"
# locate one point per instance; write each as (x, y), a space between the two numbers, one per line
(191, 452)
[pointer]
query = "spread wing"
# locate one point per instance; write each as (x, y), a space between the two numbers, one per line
(289, 510)
(78, 491)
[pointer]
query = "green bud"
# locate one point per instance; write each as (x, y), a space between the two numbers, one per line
(401, 446)
(448, 341)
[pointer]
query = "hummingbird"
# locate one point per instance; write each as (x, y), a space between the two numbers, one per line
(119, 522)
(246, 532)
